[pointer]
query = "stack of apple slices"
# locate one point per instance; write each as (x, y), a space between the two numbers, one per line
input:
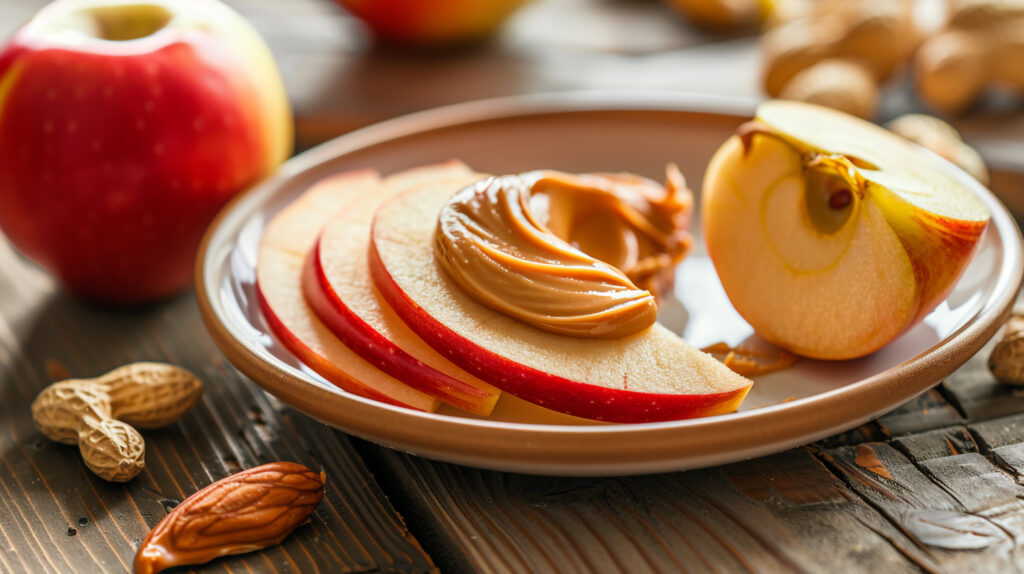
(343, 332)
(338, 287)
(348, 283)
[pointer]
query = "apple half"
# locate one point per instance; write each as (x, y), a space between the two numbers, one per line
(831, 235)
(289, 237)
(650, 376)
(337, 285)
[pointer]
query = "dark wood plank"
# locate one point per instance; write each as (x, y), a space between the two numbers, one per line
(998, 433)
(991, 497)
(938, 443)
(784, 513)
(929, 410)
(978, 395)
(828, 522)
(55, 516)
(960, 508)
(1003, 440)
(868, 432)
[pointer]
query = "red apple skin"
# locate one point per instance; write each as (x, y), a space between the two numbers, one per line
(112, 165)
(369, 344)
(588, 401)
(432, 22)
(315, 361)
(939, 256)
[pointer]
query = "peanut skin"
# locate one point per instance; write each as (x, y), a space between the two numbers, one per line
(982, 47)
(836, 52)
(844, 85)
(1007, 359)
(99, 414)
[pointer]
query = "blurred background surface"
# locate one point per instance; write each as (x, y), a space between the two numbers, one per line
(339, 79)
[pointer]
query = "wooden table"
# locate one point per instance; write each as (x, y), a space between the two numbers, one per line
(932, 486)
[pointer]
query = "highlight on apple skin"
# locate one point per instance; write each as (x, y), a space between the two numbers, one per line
(124, 126)
(831, 235)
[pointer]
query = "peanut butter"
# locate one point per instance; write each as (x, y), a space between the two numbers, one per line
(579, 255)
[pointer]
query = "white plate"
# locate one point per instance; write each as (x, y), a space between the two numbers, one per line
(637, 132)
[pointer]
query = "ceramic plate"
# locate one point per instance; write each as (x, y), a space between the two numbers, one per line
(595, 132)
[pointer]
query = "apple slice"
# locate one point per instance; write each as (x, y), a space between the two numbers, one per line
(651, 376)
(338, 287)
(288, 238)
(831, 235)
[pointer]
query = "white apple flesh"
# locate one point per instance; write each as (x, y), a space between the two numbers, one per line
(831, 235)
(650, 376)
(286, 242)
(337, 285)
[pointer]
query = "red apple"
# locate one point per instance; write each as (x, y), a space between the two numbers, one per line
(124, 126)
(432, 22)
(650, 376)
(337, 286)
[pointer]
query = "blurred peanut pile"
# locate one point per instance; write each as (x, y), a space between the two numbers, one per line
(839, 52)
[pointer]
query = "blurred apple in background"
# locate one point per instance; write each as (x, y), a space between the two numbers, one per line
(723, 15)
(124, 126)
(426, 23)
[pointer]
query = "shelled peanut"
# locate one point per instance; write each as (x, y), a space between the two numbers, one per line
(836, 53)
(980, 48)
(99, 414)
(1007, 359)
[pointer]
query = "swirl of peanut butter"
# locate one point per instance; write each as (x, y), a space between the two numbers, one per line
(572, 254)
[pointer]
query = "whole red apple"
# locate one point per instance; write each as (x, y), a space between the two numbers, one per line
(124, 126)
(432, 22)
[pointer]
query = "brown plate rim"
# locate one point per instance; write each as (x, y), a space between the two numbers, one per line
(587, 450)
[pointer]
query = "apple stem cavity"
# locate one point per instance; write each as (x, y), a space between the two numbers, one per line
(126, 23)
(831, 182)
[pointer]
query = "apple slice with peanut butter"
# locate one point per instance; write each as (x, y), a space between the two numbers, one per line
(504, 280)
(581, 255)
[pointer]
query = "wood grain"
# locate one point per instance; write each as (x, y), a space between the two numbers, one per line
(915, 490)
(784, 513)
(938, 443)
(978, 396)
(55, 516)
(927, 411)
